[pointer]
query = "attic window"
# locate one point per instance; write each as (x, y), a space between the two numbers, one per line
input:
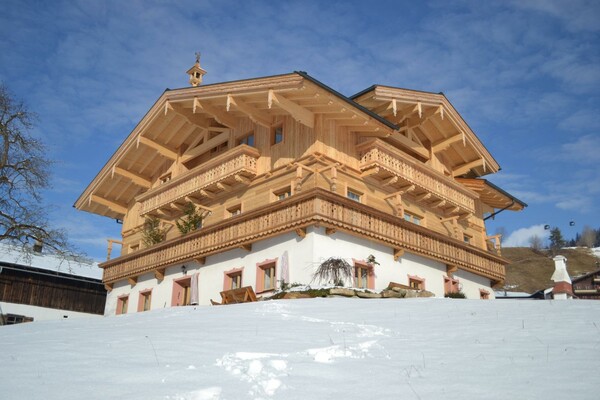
(218, 148)
(165, 178)
(282, 193)
(354, 195)
(277, 134)
(234, 210)
(247, 140)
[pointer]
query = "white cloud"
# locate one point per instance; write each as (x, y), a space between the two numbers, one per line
(520, 237)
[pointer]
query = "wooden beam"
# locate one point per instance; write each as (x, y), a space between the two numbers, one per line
(330, 231)
(132, 280)
(370, 171)
(299, 113)
(445, 143)
(208, 194)
(256, 115)
(162, 150)
(159, 274)
(450, 269)
(116, 207)
(423, 196)
(301, 232)
(223, 186)
(200, 260)
(189, 116)
(108, 286)
(242, 179)
(390, 181)
(206, 146)
(438, 204)
(247, 247)
(136, 179)
(398, 253)
(407, 189)
(409, 144)
(466, 167)
(217, 114)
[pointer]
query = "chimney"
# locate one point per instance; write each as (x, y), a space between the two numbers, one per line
(563, 289)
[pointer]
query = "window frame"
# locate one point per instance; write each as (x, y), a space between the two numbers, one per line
(418, 279)
(230, 275)
(274, 134)
(260, 275)
(230, 210)
(355, 192)
(284, 190)
(357, 279)
(143, 296)
(244, 139)
(122, 304)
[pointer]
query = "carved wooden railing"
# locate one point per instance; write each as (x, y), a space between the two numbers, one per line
(378, 154)
(241, 161)
(301, 210)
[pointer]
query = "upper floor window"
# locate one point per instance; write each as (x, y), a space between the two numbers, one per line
(283, 193)
(467, 238)
(165, 178)
(145, 300)
(248, 140)
(277, 134)
(415, 219)
(354, 195)
(234, 210)
(219, 148)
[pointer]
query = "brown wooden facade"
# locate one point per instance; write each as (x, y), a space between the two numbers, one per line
(587, 286)
(277, 154)
(32, 286)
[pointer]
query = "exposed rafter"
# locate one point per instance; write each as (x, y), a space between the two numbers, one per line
(114, 206)
(162, 150)
(445, 143)
(136, 179)
(466, 167)
(204, 147)
(221, 116)
(188, 114)
(256, 115)
(410, 144)
(299, 113)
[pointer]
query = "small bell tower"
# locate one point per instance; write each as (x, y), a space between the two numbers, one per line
(196, 73)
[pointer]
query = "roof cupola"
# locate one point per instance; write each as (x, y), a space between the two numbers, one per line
(196, 73)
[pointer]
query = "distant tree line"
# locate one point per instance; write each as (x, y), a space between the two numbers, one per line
(588, 237)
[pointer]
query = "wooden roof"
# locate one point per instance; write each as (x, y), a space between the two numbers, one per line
(430, 118)
(171, 130)
(492, 195)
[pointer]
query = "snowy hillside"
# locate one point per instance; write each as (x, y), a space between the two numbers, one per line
(313, 349)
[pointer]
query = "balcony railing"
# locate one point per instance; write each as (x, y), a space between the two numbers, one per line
(301, 210)
(387, 162)
(234, 166)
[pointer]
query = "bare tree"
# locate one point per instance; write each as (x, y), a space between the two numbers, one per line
(588, 237)
(535, 242)
(23, 175)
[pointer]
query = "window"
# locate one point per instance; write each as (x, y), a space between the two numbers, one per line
(145, 300)
(450, 285)
(467, 238)
(277, 134)
(11, 319)
(219, 148)
(233, 279)
(266, 276)
(363, 276)
(165, 178)
(353, 195)
(134, 247)
(283, 194)
(122, 303)
(234, 210)
(484, 294)
(416, 282)
(412, 218)
(181, 292)
(248, 140)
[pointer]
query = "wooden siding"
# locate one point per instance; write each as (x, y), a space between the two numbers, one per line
(39, 288)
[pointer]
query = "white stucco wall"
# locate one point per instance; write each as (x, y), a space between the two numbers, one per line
(41, 313)
(304, 255)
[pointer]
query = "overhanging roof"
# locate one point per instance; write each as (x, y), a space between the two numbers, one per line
(492, 195)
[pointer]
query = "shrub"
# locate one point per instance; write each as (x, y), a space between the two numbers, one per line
(456, 295)
(334, 270)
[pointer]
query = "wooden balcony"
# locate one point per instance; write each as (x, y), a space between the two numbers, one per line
(237, 166)
(382, 161)
(314, 207)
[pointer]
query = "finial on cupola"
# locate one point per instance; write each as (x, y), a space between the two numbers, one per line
(196, 73)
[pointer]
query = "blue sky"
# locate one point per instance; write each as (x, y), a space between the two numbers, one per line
(524, 74)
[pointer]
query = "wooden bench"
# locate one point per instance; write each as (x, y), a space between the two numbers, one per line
(241, 295)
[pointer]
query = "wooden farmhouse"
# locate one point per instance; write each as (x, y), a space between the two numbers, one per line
(36, 286)
(286, 173)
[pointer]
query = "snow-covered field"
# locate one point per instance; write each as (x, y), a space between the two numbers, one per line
(313, 349)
